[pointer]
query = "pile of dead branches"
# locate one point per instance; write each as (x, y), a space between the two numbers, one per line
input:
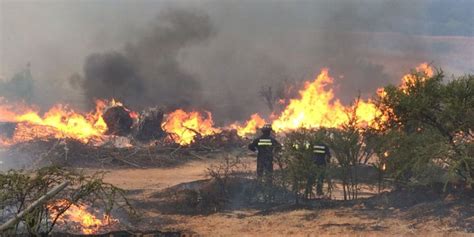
(223, 140)
(114, 154)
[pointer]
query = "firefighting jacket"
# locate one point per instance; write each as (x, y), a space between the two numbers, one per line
(321, 153)
(265, 145)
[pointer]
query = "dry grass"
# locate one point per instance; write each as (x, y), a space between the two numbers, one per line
(355, 219)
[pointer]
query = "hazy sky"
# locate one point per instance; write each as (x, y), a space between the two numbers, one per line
(365, 43)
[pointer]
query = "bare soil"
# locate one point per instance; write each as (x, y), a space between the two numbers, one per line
(164, 184)
(398, 213)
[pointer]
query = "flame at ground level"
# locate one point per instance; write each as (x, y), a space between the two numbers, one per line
(185, 126)
(315, 107)
(58, 122)
(78, 217)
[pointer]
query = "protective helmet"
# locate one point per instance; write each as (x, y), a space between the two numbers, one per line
(267, 127)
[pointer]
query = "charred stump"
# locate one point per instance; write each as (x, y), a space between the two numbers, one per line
(149, 125)
(118, 120)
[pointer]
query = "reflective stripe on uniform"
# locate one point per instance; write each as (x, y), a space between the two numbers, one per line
(319, 149)
(264, 142)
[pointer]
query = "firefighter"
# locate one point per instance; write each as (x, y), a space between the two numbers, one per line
(321, 156)
(266, 145)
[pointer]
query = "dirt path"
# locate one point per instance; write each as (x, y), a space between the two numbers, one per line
(343, 221)
(156, 178)
(159, 178)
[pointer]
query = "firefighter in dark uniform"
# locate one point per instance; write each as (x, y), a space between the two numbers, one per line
(266, 145)
(321, 156)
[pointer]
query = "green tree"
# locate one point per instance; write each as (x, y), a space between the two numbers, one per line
(352, 145)
(429, 127)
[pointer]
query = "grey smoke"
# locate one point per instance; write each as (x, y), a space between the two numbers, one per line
(216, 55)
(147, 72)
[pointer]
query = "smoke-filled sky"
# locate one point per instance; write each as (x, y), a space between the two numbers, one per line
(216, 54)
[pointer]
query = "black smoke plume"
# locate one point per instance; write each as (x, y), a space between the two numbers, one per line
(147, 72)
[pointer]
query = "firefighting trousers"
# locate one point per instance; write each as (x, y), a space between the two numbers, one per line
(318, 178)
(264, 167)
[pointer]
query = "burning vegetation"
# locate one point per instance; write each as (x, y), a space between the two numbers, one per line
(179, 89)
(51, 196)
(405, 132)
(78, 218)
(316, 106)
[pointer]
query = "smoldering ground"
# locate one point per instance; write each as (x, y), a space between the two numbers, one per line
(215, 55)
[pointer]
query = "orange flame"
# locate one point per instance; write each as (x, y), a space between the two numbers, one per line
(424, 70)
(185, 126)
(79, 216)
(59, 122)
(421, 73)
(250, 127)
(317, 107)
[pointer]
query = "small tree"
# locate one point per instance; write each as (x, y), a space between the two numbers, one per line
(19, 189)
(298, 165)
(299, 168)
(431, 126)
(351, 147)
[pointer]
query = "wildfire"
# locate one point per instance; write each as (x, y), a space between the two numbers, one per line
(79, 217)
(250, 127)
(317, 107)
(59, 122)
(185, 126)
(421, 73)
(424, 70)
